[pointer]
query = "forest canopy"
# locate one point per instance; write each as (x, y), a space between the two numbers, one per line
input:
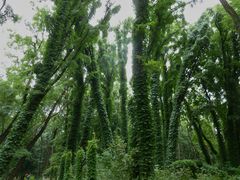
(68, 110)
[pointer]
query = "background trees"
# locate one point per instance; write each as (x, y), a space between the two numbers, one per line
(68, 111)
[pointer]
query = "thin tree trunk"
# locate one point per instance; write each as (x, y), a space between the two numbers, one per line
(155, 86)
(106, 133)
(76, 116)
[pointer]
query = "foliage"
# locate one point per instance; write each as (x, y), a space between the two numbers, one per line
(79, 162)
(177, 118)
(92, 160)
(114, 163)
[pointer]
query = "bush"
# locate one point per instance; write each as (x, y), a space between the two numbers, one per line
(212, 170)
(114, 163)
(189, 167)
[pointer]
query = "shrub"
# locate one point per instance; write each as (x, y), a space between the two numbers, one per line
(114, 163)
(189, 167)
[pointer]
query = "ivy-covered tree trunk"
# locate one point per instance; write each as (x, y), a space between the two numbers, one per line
(86, 134)
(166, 89)
(52, 54)
(155, 100)
(109, 102)
(181, 91)
(122, 47)
(105, 68)
(106, 134)
(143, 147)
(79, 163)
(76, 116)
(92, 160)
(197, 43)
(123, 105)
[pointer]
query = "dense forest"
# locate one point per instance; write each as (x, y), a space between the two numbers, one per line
(68, 110)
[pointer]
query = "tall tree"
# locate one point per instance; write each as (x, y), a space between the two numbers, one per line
(106, 133)
(231, 87)
(76, 116)
(195, 46)
(143, 136)
(122, 47)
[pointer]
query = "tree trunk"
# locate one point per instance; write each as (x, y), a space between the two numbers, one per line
(123, 105)
(143, 147)
(106, 134)
(76, 116)
(155, 86)
(87, 124)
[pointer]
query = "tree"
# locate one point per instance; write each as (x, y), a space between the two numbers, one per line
(143, 137)
(122, 47)
(52, 54)
(197, 42)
